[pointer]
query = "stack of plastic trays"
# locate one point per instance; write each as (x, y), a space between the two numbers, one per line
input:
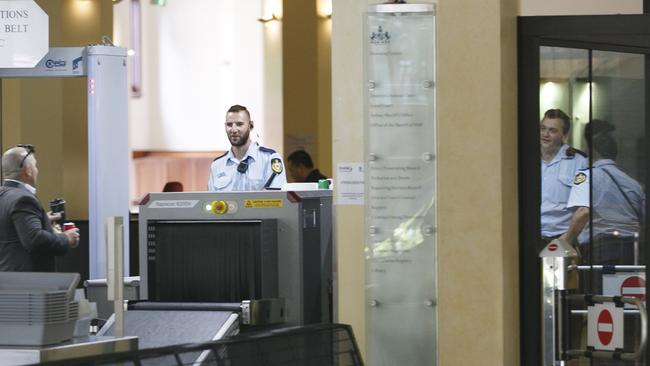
(37, 308)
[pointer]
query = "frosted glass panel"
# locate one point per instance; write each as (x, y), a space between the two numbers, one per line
(400, 185)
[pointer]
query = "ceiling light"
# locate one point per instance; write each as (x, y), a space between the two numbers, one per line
(268, 18)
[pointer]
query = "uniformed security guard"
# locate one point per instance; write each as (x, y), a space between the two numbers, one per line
(559, 165)
(617, 208)
(246, 166)
(618, 202)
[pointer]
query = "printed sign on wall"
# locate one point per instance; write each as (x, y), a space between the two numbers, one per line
(24, 34)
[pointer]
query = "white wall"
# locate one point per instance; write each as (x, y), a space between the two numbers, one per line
(198, 58)
(579, 7)
(201, 56)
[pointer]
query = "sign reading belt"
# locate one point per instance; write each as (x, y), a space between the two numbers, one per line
(24, 34)
(263, 203)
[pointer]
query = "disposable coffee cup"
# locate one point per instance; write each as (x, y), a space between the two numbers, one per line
(323, 184)
(69, 225)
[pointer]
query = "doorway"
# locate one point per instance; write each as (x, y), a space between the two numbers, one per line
(595, 70)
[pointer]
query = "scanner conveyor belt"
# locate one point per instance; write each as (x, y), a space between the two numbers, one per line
(189, 306)
(158, 328)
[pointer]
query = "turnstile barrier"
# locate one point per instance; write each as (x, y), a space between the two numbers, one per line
(559, 287)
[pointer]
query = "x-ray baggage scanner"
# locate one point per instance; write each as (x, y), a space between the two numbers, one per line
(212, 247)
(108, 149)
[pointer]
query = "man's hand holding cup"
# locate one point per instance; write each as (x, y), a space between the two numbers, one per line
(72, 232)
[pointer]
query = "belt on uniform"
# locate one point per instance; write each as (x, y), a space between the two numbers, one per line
(615, 238)
(550, 238)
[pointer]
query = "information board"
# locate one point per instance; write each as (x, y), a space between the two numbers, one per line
(400, 184)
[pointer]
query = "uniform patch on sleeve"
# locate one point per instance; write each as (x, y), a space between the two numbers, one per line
(580, 178)
(276, 165)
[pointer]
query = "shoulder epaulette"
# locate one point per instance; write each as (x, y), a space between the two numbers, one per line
(221, 156)
(571, 152)
(267, 150)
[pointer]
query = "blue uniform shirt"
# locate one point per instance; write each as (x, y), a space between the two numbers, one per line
(557, 180)
(612, 213)
(262, 164)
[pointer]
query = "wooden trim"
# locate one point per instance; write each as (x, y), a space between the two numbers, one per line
(138, 154)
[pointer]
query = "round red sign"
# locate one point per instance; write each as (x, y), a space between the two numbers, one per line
(605, 327)
(552, 247)
(633, 286)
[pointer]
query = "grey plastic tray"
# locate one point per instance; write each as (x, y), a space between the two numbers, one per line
(48, 313)
(69, 312)
(35, 334)
(39, 281)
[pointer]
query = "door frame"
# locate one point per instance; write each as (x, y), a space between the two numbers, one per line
(622, 33)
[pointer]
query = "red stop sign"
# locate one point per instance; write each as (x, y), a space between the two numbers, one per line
(605, 327)
(633, 286)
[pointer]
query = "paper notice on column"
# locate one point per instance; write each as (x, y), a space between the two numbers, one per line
(349, 183)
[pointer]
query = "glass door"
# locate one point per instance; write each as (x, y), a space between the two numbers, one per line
(592, 142)
(583, 162)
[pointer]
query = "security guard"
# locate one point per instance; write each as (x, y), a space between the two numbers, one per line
(617, 209)
(246, 166)
(618, 202)
(559, 165)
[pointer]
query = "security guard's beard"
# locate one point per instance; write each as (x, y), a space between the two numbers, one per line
(240, 140)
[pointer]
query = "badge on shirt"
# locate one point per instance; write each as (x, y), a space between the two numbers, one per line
(276, 165)
(580, 178)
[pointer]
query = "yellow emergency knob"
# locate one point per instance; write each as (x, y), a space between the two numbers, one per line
(219, 207)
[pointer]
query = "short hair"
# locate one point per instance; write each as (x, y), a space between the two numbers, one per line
(173, 186)
(301, 157)
(599, 137)
(11, 160)
(559, 114)
(239, 108)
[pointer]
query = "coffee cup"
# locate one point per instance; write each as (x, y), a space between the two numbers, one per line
(68, 226)
(323, 184)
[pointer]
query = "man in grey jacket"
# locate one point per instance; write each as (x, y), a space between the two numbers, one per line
(28, 240)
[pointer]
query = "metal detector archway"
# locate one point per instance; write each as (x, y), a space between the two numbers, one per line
(108, 149)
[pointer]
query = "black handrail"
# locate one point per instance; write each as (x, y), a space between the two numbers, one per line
(319, 342)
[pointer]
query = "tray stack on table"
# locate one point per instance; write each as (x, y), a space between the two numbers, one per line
(37, 308)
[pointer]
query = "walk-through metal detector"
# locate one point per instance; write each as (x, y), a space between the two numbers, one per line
(108, 149)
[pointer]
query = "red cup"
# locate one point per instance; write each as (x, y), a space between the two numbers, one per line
(69, 225)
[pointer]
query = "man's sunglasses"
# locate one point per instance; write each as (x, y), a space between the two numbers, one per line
(30, 150)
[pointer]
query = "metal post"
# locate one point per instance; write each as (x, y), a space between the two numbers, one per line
(558, 274)
(2, 150)
(636, 248)
(115, 269)
(108, 148)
